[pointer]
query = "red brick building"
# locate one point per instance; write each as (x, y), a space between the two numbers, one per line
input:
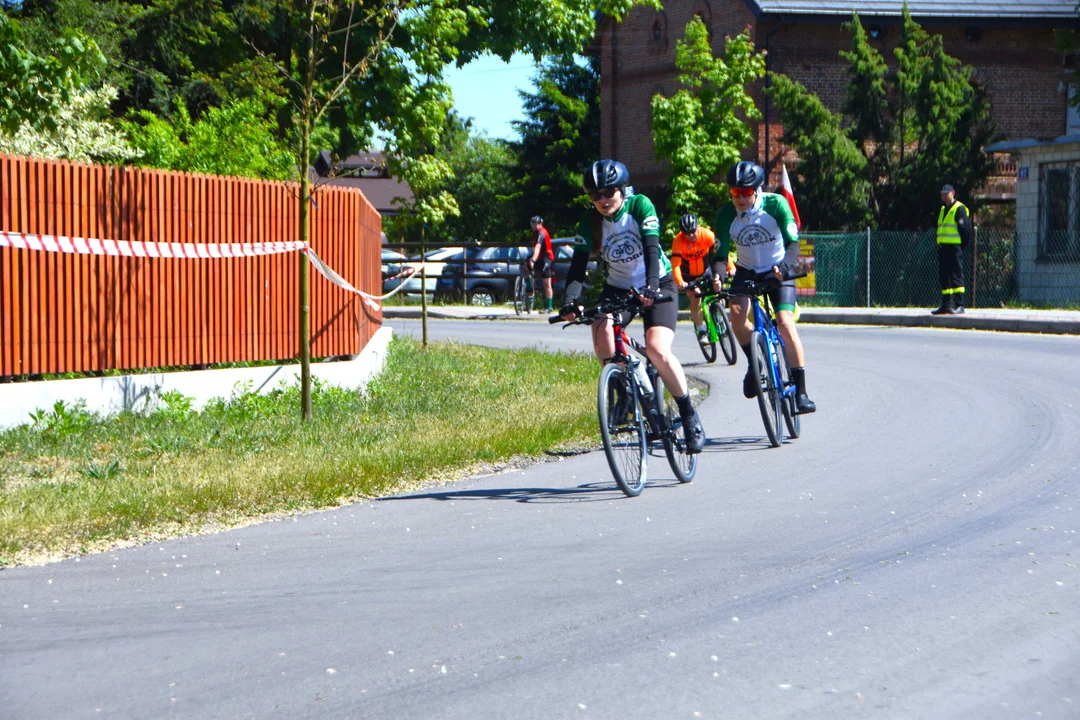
(1010, 44)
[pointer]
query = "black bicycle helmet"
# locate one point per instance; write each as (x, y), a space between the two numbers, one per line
(605, 174)
(536, 220)
(688, 223)
(745, 174)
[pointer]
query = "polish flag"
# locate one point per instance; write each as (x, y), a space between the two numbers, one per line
(787, 193)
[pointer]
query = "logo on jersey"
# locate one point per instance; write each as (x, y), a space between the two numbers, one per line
(623, 247)
(650, 223)
(753, 235)
(793, 230)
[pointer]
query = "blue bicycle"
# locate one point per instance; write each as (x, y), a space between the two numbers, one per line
(775, 390)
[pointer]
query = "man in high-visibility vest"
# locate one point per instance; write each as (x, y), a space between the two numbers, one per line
(953, 232)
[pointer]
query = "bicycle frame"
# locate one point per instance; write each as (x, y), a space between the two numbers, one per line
(707, 302)
(763, 323)
(708, 299)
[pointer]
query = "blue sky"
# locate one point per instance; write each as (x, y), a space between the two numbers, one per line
(486, 90)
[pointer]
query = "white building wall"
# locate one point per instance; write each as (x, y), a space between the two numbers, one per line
(108, 395)
(1041, 282)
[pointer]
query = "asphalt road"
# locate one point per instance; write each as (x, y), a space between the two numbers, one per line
(913, 555)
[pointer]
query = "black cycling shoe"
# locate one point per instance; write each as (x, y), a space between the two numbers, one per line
(694, 434)
(749, 385)
(804, 405)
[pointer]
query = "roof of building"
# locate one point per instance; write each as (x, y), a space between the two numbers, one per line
(1014, 145)
(1042, 10)
(366, 172)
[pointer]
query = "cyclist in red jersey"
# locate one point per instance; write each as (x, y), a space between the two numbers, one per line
(543, 258)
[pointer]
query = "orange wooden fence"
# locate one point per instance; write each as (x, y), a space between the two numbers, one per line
(83, 313)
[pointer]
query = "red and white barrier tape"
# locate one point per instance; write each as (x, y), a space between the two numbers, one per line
(190, 251)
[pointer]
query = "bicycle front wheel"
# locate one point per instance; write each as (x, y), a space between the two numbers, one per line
(622, 428)
(787, 403)
(519, 295)
(768, 395)
(722, 321)
(707, 349)
(683, 464)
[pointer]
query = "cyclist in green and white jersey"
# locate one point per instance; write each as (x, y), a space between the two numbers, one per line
(766, 239)
(624, 230)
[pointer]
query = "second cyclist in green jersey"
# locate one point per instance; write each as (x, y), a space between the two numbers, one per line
(766, 239)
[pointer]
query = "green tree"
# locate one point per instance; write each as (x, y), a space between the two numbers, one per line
(904, 132)
(235, 139)
(82, 132)
(698, 129)
(830, 183)
(558, 137)
(108, 22)
(482, 185)
(33, 85)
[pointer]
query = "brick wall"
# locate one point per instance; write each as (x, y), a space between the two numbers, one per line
(638, 60)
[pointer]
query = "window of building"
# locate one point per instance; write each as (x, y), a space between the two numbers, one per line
(1059, 211)
(1072, 121)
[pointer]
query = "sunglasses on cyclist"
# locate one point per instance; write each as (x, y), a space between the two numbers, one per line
(743, 192)
(605, 193)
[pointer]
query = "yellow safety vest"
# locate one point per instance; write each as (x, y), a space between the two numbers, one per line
(948, 233)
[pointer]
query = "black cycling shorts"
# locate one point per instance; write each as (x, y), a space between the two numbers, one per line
(779, 297)
(663, 314)
(543, 268)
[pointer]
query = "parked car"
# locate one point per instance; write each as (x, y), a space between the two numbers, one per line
(499, 267)
(393, 263)
(563, 255)
(436, 259)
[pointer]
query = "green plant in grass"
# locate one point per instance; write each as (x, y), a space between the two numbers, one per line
(102, 471)
(173, 470)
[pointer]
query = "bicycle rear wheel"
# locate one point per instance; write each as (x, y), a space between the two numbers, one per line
(723, 328)
(791, 418)
(519, 295)
(683, 464)
(768, 395)
(622, 428)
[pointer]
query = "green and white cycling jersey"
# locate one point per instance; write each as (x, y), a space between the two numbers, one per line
(622, 246)
(761, 234)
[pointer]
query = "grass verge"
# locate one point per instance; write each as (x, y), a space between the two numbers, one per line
(74, 482)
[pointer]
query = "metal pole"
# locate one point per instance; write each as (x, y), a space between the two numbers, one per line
(975, 267)
(867, 266)
(423, 282)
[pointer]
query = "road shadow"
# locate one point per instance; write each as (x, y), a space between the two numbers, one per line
(589, 492)
(735, 444)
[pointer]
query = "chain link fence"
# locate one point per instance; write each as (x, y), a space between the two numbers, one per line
(1002, 268)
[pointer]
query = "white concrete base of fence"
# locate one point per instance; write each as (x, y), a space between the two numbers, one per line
(108, 395)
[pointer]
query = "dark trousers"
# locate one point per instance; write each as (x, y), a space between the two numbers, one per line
(951, 269)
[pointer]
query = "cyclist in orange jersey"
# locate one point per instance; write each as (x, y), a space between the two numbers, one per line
(694, 249)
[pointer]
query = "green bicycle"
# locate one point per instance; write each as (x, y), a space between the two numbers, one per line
(717, 321)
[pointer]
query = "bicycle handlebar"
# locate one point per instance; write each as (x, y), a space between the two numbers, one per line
(704, 287)
(610, 306)
(762, 284)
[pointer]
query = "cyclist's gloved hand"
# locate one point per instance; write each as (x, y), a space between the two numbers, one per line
(784, 269)
(650, 293)
(570, 311)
